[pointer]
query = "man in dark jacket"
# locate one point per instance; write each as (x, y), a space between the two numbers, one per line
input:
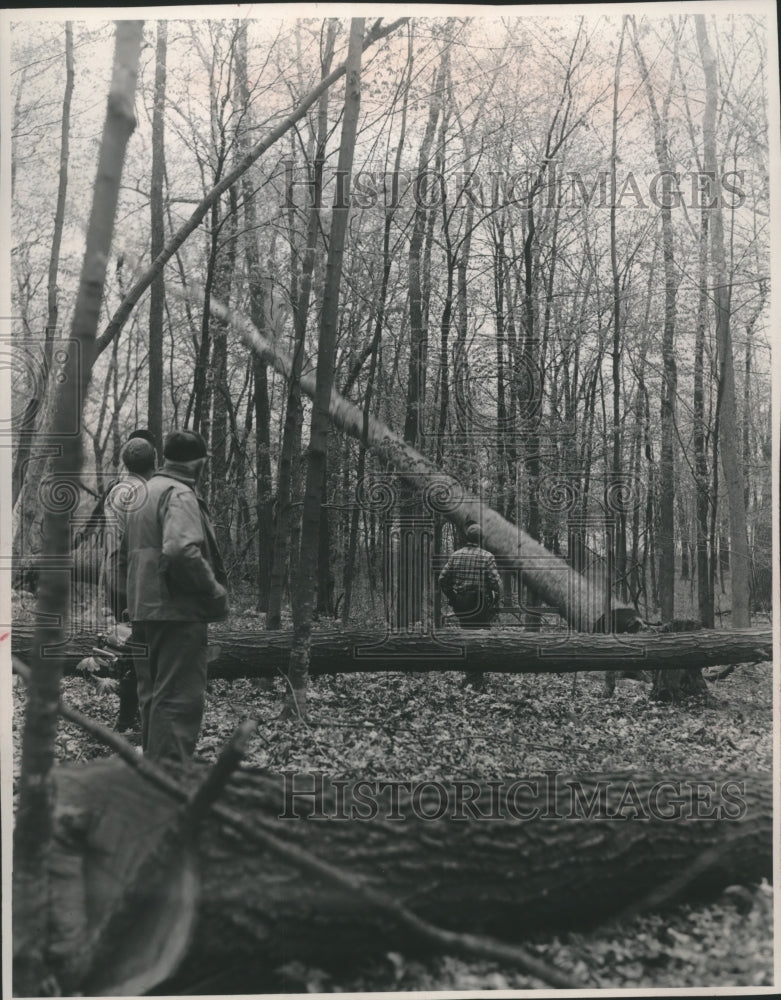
(472, 585)
(175, 586)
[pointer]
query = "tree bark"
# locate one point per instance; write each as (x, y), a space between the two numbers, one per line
(617, 539)
(157, 290)
(728, 426)
(701, 472)
(666, 580)
(374, 344)
(264, 503)
(416, 376)
(507, 650)
(291, 434)
(505, 861)
(35, 412)
(306, 584)
(222, 492)
(34, 827)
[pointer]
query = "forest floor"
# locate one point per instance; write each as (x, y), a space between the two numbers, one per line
(420, 726)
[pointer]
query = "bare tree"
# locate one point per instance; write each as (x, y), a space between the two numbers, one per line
(157, 290)
(37, 400)
(291, 435)
(659, 116)
(377, 32)
(305, 586)
(33, 963)
(728, 426)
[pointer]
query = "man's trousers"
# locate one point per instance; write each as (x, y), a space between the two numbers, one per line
(171, 670)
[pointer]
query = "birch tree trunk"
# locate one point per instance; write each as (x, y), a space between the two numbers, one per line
(34, 823)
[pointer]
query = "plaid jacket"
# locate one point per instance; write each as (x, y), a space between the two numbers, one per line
(470, 566)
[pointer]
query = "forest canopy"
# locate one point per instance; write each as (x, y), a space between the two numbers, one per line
(527, 286)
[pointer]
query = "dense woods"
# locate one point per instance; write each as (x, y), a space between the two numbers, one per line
(402, 276)
(538, 299)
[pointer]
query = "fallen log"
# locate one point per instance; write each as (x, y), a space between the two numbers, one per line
(255, 653)
(505, 860)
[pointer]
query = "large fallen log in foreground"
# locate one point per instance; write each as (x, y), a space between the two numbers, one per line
(256, 653)
(506, 860)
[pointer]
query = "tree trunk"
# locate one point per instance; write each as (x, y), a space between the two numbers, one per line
(617, 537)
(728, 425)
(35, 423)
(507, 861)
(306, 584)
(701, 472)
(291, 434)
(416, 376)
(37, 400)
(379, 323)
(666, 580)
(408, 606)
(676, 685)
(325, 580)
(34, 826)
(222, 492)
(503, 650)
(157, 290)
(121, 316)
(262, 409)
(202, 377)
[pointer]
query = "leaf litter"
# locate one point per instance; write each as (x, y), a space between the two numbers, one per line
(420, 726)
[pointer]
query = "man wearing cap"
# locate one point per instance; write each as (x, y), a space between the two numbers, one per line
(176, 585)
(139, 458)
(472, 585)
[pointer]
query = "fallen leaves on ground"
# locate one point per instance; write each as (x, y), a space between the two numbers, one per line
(424, 726)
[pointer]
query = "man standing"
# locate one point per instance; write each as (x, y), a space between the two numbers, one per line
(139, 458)
(472, 585)
(176, 585)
